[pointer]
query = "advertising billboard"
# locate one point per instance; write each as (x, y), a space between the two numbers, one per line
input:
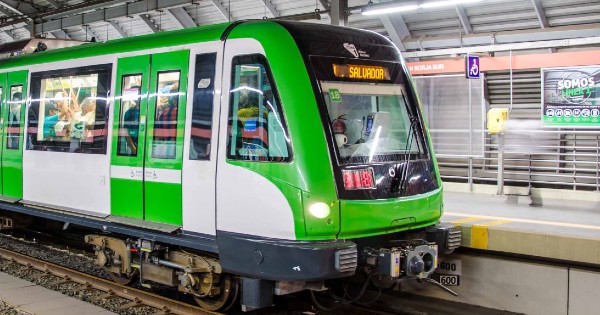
(571, 97)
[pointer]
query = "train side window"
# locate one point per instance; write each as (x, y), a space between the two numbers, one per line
(165, 118)
(13, 134)
(129, 116)
(202, 111)
(68, 110)
(257, 129)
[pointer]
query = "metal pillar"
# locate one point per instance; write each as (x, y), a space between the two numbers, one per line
(339, 17)
(500, 184)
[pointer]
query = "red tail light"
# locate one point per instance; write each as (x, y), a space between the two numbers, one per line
(359, 179)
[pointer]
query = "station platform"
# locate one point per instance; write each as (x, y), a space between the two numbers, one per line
(30, 298)
(554, 224)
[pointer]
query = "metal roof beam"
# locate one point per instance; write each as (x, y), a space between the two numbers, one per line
(396, 28)
(539, 11)
(221, 9)
(554, 33)
(115, 12)
(60, 34)
(18, 7)
(271, 8)
(89, 31)
(54, 4)
(149, 23)
(118, 28)
(338, 14)
(464, 19)
(181, 17)
(6, 11)
(559, 43)
(9, 34)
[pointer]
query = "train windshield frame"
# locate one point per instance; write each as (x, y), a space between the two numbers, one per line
(370, 111)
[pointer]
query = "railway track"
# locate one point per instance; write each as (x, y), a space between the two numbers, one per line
(137, 298)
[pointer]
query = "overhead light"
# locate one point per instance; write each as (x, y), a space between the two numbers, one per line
(390, 7)
(397, 6)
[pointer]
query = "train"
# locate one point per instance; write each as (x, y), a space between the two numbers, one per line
(234, 162)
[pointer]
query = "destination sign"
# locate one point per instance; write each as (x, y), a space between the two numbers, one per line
(361, 72)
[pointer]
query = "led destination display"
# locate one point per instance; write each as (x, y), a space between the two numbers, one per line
(361, 72)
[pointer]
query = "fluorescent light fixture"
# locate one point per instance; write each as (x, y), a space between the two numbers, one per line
(390, 7)
(397, 6)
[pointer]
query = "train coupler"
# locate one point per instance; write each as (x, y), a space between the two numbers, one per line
(403, 262)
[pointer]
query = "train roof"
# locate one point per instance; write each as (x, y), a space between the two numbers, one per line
(149, 41)
(312, 39)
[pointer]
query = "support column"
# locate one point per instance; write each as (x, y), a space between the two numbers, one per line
(339, 16)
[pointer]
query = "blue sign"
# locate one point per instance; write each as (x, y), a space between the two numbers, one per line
(250, 125)
(472, 69)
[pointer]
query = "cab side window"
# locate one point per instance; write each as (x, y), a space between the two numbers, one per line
(256, 129)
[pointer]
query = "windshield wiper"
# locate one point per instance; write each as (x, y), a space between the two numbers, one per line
(401, 168)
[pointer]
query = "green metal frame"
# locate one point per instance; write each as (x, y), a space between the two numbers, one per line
(12, 159)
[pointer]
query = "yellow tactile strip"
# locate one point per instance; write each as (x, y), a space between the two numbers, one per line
(480, 232)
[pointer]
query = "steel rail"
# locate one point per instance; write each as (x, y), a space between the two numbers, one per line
(167, 306)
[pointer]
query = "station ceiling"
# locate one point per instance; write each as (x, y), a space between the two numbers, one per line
(422, 33)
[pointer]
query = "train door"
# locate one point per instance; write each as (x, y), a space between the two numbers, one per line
(146, 162)
(14, 91)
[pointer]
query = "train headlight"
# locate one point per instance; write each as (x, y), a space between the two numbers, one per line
(319, 210)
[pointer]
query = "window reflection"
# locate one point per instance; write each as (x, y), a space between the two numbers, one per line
(257, 129)
(68, 109)
(129, 121)
(165, 119)
(15, 105)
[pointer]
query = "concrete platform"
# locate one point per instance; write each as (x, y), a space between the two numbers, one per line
(559, 225)
(38, 300)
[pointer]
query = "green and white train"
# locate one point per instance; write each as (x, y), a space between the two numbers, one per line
(261, 157)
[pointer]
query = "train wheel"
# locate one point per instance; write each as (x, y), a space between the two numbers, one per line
(225, 300)
(123, 279)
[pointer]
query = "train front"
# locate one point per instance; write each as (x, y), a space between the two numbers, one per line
(389, 192)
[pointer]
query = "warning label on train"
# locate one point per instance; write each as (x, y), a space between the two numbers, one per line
(571, 97)
(448, 272)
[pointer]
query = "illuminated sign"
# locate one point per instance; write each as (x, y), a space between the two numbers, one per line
(571, 97)
(361, 72)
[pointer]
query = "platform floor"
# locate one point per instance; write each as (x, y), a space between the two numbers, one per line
(560, 229)
(34, 299)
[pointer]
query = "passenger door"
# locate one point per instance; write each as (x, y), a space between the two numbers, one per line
(14, 91)
(146, 163)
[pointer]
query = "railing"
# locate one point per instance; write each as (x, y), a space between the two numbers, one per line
(532, 158)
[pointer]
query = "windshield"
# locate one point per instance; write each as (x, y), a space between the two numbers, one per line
(371, 122)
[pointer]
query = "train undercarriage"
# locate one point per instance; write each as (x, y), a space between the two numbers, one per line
(141, 260)
(202, 276)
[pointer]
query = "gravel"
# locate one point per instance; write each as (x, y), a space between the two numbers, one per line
(6, 309)
(71, 258)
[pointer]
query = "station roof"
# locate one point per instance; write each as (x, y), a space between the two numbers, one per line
(422, 33)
